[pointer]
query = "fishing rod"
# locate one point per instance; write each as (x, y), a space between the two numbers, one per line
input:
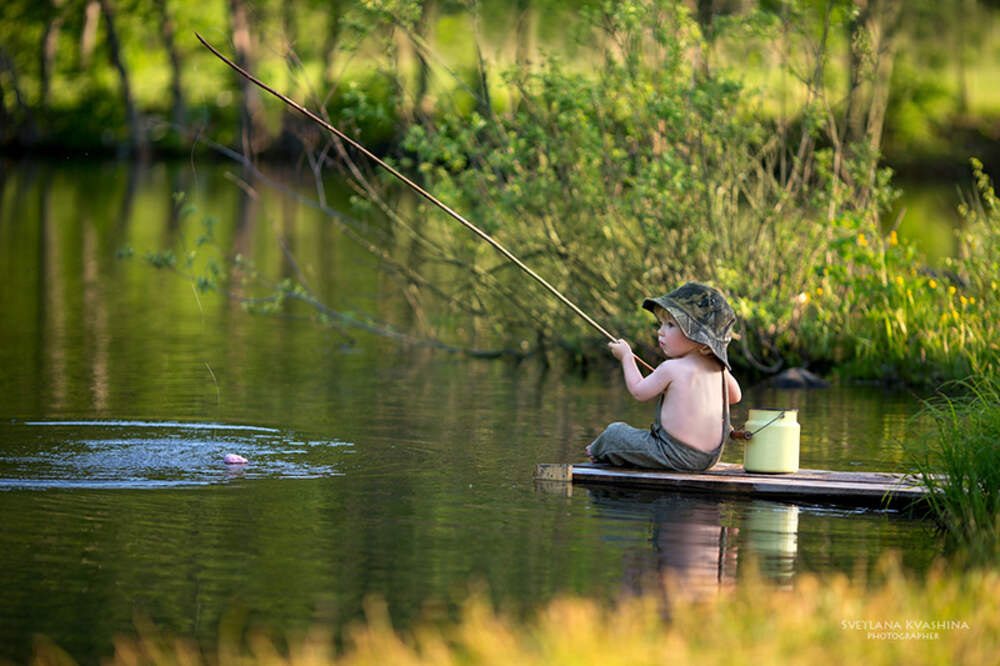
(419, 190)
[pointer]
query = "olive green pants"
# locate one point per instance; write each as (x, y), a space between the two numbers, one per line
(621, 444)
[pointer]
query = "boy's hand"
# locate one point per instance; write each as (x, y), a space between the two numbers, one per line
(620, 349)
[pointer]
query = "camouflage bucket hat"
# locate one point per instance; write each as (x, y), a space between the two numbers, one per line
(703, 315)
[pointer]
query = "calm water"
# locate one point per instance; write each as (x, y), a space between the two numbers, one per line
(373, 469)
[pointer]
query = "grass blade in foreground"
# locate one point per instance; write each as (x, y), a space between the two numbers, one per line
(948, 618)
(960, 463)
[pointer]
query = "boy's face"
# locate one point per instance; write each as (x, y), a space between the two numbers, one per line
(671, 339)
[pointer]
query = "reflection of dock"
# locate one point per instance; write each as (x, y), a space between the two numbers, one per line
(815, 486)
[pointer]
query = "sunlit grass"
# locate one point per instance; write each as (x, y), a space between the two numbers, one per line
(946, 618)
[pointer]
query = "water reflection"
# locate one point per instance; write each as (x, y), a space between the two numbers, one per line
(771, 530)
(692, 550)
(695, 541)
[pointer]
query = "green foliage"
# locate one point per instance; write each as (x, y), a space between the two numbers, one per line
(367, 107)
(647, 171)
(877, 312)
(959, 460)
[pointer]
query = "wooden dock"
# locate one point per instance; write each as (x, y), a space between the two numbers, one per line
(875, 489)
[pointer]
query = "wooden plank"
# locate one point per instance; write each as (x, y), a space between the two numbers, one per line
(820, 486)
(553, 472)
(820, 475)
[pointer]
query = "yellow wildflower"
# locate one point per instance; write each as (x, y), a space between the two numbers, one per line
(951, 290)
(972, 300)
(899, 280)
(932, 284)
(819, 291)
(802, 298)
(963, 300)
(893, 238)
(862, 241)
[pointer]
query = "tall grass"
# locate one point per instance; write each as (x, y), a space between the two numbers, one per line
(960, 462)
(946, 618)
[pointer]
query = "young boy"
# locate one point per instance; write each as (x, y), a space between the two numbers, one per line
(694, 384)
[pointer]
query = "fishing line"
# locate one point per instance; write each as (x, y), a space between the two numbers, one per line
(419, 190)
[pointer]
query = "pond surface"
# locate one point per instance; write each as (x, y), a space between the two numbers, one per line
(373, 469)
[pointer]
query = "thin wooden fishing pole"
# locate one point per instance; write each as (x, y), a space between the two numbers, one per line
(419, 190)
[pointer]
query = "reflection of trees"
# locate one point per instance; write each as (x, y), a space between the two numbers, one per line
(52, 305)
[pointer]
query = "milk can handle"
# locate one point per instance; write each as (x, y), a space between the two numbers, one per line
(746, 435)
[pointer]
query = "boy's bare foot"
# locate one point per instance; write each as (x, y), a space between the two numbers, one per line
(592, 458)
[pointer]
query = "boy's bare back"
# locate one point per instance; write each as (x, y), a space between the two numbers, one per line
(692, 387)
(692, 403)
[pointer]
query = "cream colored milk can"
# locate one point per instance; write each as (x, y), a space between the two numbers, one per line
(774, 446)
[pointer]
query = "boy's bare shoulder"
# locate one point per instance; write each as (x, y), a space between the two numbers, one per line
(672, 367)
(689, 365)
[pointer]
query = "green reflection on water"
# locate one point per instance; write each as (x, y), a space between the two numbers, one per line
(433, 494)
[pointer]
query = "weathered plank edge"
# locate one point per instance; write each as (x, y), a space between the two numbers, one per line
(815, 486)
(553, 472)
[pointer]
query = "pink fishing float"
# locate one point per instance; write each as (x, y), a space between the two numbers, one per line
(234, 459)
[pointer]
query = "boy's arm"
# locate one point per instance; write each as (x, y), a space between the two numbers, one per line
(641, 388)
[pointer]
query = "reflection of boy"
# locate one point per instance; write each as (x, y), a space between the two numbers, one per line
(694, 384)
(693, 552)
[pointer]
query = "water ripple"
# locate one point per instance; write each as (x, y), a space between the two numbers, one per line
(155, 454)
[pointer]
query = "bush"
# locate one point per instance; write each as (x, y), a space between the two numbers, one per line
(877, 312)
(646, 169)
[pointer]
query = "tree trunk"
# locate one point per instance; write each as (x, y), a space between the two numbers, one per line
(705, 10)
(483, 103)
(18, 119)
(964, 13)
(289, 27)
(176, 90)
(330, 44)
(853, 107)
(88, 35)
(423, 69)
(525, 32)
(50, 42)
(885, 59)
(243, 43)
(137, 140)
(872, 56)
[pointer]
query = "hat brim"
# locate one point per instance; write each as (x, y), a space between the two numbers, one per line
(694, 329)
